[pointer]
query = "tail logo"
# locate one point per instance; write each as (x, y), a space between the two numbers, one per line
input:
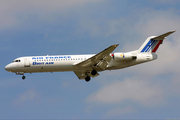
(151, 46)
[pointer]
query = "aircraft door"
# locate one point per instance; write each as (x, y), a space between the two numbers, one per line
(26, 62)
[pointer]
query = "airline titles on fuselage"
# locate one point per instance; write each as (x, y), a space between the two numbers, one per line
(42, 59)
(50, 57)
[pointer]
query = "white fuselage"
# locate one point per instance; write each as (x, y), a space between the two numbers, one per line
(58, 63)
(87, 66)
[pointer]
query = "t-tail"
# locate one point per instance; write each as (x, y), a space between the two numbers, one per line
(152, 43)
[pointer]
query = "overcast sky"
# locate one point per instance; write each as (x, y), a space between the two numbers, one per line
(59, 27)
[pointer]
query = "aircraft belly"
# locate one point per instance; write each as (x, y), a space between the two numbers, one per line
(122, 64)
(47, 68)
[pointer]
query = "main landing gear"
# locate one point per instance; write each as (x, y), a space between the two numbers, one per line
(23, 77)
(93, 73)
(87, 79)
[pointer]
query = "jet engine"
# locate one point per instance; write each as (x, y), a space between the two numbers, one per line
(123, 56)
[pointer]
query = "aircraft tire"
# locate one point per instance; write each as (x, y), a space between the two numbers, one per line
(23, 77)
(87, 79)
(94, 72)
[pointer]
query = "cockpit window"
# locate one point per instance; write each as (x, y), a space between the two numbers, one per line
(17, 61)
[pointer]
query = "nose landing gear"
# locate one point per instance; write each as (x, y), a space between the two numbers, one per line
(21, 73)
(23, 77)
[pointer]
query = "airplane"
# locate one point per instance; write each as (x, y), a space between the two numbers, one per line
(88, 65)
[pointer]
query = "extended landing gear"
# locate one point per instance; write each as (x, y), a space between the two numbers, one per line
(94, 72)
(87, 79)
(23, 77)
(21, 73)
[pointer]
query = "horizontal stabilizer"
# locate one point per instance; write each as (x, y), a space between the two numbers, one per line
(161, 37)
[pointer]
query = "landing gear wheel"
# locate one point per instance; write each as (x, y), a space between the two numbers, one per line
(94, 72)
(23, 77)
(87, 79)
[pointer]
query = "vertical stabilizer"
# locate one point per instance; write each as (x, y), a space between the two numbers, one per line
(152, 43)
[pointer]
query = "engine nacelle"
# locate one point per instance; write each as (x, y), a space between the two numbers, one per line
(123, 56)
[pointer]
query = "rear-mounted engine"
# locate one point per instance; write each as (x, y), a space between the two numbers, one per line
(123, 56)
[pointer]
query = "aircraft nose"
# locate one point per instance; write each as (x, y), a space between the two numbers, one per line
(8, 67)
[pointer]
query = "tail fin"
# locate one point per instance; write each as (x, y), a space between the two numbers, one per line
(152, 43)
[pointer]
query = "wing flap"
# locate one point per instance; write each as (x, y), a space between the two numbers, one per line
(103, 56)
(84, 74)
(104, 62)
(80, 74)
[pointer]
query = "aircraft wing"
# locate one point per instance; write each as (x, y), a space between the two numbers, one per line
(96, 62)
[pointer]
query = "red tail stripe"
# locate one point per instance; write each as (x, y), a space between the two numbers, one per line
(157, 46)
